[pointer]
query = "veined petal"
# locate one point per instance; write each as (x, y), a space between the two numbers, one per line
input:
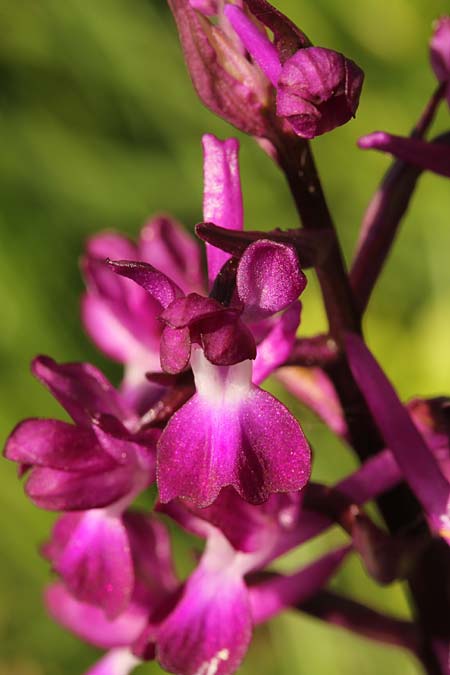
(91, 552)
(81, 389)
(91, 623)
(230, 433)
(58, 445)
(222, 196)
(269, 278)
(210, 628)
(115, 662)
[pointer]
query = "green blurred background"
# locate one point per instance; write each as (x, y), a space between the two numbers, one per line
(99, 128)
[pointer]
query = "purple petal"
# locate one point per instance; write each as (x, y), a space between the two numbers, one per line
(269, 278)
(314, 389)
(230, 433)
(111, 245)
(120, 335)
(175, 349)
(271, 597)
(222, 196)
(57, 445)
(184, 311)
(432, 156)
(55, 490)
(157, 284)
(257, 44)
(81, 389)
(152, 556)
(210, 629)
(166, 245)
(247, 527)
(91, 552)
(276, 347)
(318, 90)
(115, 662)
(91, 623)
(230, 343)
(414, 458)
(440, 51)
(133, 450)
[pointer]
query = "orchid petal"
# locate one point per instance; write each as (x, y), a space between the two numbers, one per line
(230, 433)
(91, 623)
(314, 389)
(277, 345)
(210, 629)
(157, 284)
(91, 552)
(268, 278)
(175, 349)
(55, 490)
(81, 389)
(222, 197)
(57, 445)
(166, 245)
(257, 44)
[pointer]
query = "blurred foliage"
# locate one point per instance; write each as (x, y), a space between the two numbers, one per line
(99, 127)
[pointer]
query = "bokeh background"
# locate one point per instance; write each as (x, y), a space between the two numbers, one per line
(100, 128)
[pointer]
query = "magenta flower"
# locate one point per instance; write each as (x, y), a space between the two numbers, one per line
(119, 316)
(95, 468)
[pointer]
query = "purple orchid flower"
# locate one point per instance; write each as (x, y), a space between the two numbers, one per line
(239, 446)
(94, 469)
(119, 316)
(317, 89)
(200, 450)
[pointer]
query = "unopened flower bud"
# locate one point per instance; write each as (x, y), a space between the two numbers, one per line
(318, 90)
(440, 52)
(225, 80)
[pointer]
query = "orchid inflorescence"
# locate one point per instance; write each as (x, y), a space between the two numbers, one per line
(230, 462)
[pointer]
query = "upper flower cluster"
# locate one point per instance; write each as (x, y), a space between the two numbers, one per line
(238, 72)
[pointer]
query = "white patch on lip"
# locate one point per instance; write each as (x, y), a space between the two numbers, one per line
(211, 667)
(220, 385)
